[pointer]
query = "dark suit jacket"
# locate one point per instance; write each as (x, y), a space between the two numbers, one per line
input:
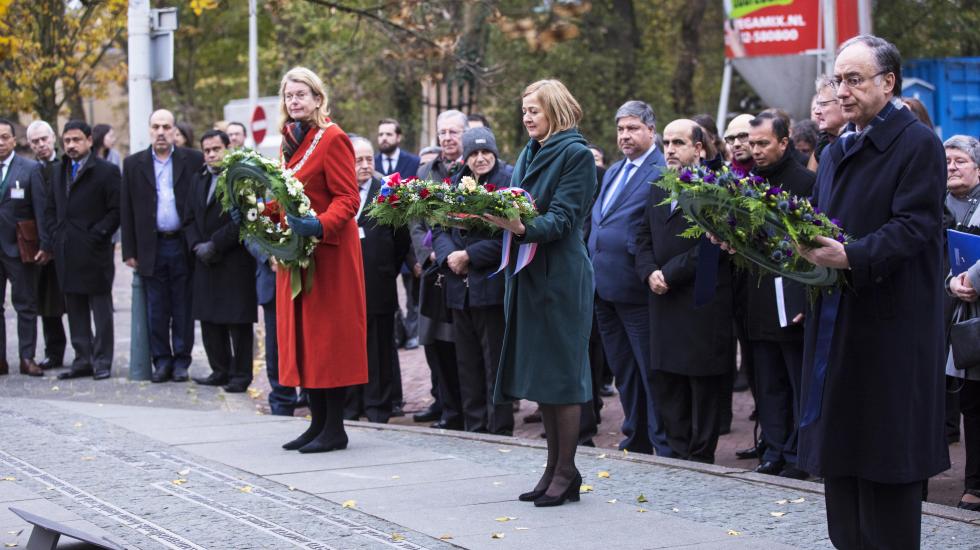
(612, 237)
(83, 214)
(760, 307)
(683, 339)
(384, 249)
(881, 413)
(139, 202)
(224, 289)
(23, 174)
(407, 165)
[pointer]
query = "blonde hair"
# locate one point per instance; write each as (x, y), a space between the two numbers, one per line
(560, 107)
(302, 75)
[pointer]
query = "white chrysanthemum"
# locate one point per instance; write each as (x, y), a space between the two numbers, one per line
(303, 209)
(468, 184)
(251, 215)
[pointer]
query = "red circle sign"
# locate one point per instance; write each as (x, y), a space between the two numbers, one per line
(258, 125)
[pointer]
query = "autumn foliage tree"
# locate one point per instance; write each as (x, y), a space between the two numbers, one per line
(53, 54)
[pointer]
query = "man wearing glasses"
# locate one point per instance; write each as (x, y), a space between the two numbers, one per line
(737, 140)
(872, 400)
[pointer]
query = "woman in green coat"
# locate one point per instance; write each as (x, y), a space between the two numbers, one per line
(548, 304)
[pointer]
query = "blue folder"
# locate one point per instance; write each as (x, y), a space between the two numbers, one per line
(964, 250)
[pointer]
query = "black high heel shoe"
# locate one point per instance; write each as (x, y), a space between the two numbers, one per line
(531, 496)
(571, 494)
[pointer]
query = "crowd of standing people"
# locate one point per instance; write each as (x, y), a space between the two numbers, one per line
(848, 386)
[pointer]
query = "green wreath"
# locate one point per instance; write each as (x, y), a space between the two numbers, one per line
(246, 183)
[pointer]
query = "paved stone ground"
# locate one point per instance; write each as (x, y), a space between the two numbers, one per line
(40, 433)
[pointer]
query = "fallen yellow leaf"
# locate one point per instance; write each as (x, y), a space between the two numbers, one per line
(642, 498)
(504, 450)
(55, 388)
(798, 500)
(642, 510)
(445, 537)
(349, 504)
(497, 536)
(733, 533)
(625, 452)
(604, 474)
(254, 393)
(8, 478)
(585, 488)
(10, 545)
(246, 489)
(396, 477)
(397, 537)
(603, 455)
(179, 481)
(777, 514)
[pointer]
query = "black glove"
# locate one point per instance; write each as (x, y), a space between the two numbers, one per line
(206, 251)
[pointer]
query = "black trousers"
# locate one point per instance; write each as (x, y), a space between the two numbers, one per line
(969, 400)
(51, 307)
(862, 514)
(952, 408)
(91, 350)
(229, 350)
(24, 297)
(690, 407)
(374, 399)
(479, 334)
(778, 369)
(591, 416)
(441, 357)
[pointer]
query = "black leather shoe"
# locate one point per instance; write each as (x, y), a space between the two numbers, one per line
(234, 387)
(793, 472)
(396, 410)
(571, 494)
(444, 425)
(752, 452)
(101, 374)
(769, 467)
(428, 415)
(180, 375)
(211, 380)
(325, 443)
(160, 375)
(80, 372)
(50, 363)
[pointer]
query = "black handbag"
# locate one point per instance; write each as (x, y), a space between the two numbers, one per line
(435, 319)
(964, 339)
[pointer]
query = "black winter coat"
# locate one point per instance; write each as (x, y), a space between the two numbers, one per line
(880, 415)
(82, 217)
(383, 249)
(476, 288)
(760, 307)
(224, 288)
(683, 339)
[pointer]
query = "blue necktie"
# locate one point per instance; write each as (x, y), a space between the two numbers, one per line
(74, 169)
(617, 186)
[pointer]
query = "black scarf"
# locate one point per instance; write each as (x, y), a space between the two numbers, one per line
(292, 138)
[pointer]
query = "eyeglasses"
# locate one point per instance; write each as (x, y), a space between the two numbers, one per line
(298, 96)
(828, 102)
(853, 81)
(450, 133)
(744, 136)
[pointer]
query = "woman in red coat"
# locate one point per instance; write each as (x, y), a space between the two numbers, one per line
(322, 332)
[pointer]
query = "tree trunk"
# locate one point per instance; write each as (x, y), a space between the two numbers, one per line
(691, 15)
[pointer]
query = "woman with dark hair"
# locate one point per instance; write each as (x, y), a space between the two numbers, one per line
(919, 110)
(714, 150)
(548, 301)
(185, 135)
(103, 138)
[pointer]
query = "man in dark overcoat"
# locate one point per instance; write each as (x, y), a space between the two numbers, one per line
(156, 182)
(50, 300)
(384, 249)
(690, 345)
(224, 276)
(773, 311)
(83, 213)
(872, 396)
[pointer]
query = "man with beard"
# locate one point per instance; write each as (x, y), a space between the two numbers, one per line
(690, 344)
(737, 139)
(50, 300)
(83, 212)
(391, 157)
